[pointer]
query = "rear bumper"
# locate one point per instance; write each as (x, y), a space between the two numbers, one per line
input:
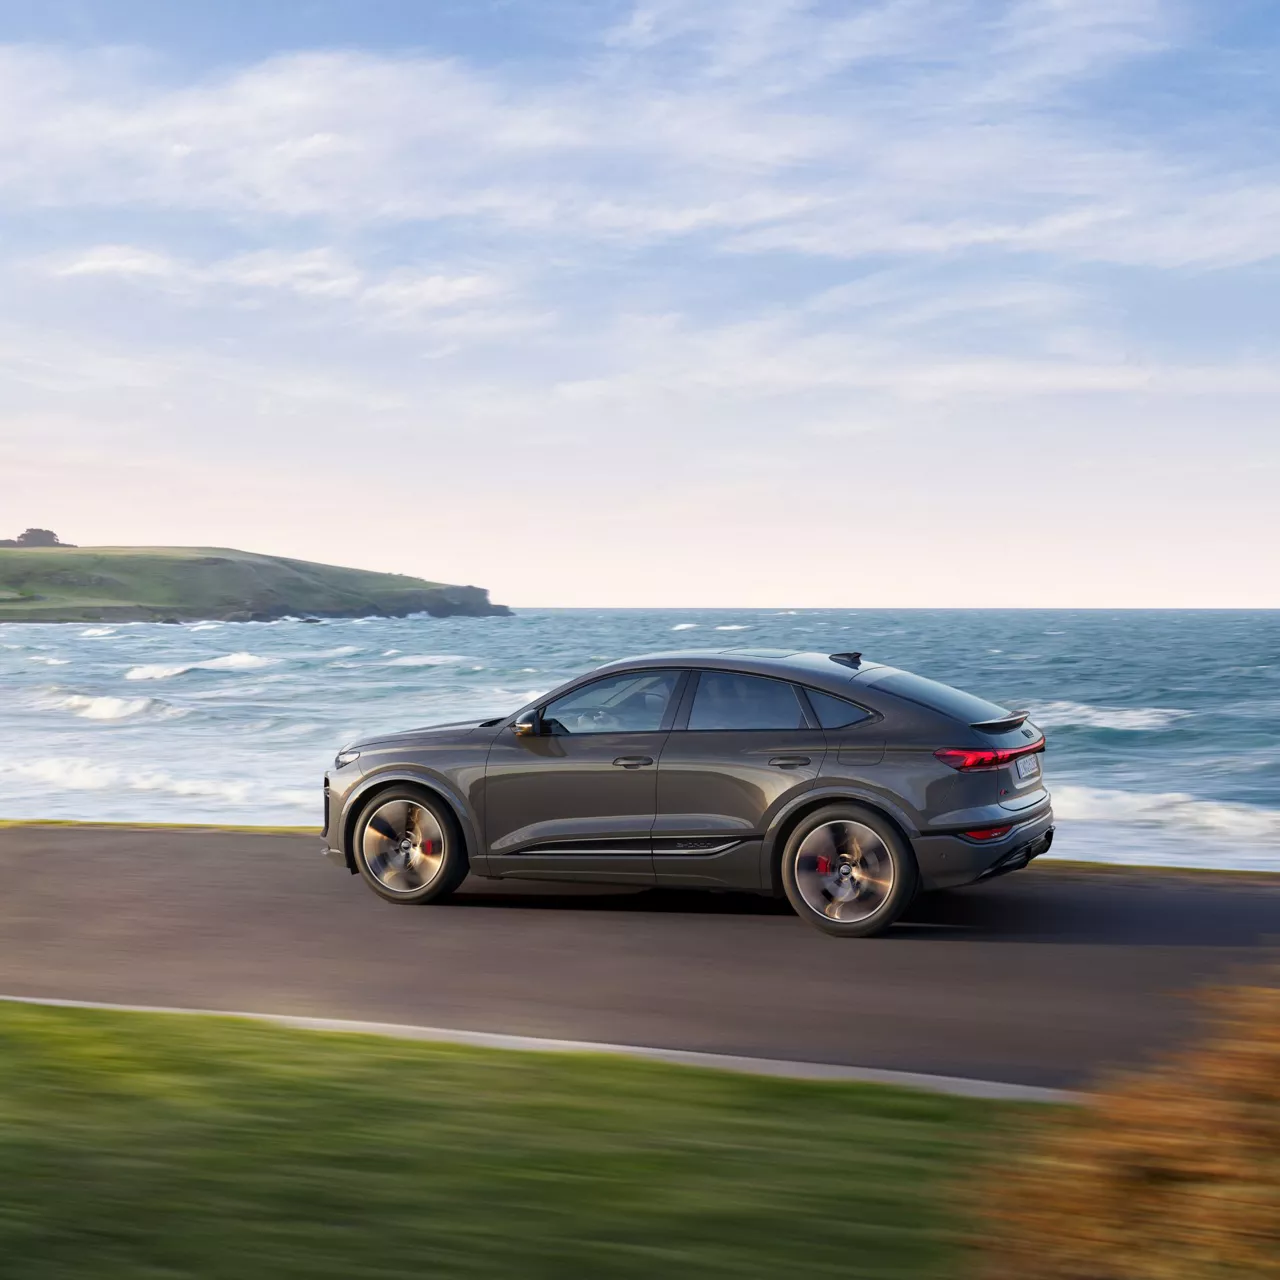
(949, 860)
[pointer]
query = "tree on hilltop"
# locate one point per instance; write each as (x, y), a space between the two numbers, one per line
(35, 538)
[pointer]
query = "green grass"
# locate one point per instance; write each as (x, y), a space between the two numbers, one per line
(150, 1146)
(93, 584)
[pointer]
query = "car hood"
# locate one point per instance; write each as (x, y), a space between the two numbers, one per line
(455, 728)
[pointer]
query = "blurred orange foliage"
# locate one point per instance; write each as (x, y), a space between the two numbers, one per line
(1169, 1174)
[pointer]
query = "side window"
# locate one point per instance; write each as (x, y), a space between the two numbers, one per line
(835, 713)
(726, 700)
(631, 703)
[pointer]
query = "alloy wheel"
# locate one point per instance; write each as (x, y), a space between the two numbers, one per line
(844, 871)
(403, 846)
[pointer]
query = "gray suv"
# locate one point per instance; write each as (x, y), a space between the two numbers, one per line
(846, 785)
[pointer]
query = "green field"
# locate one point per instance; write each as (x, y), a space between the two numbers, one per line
(172, 1146)
(119, 584)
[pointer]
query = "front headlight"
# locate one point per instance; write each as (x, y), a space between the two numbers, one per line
(344, 758)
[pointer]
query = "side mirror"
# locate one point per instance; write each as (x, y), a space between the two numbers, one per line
(526, 726)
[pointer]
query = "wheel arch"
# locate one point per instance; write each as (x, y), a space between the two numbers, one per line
(787, 821)
(376, 784)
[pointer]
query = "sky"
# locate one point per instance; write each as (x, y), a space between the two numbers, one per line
(658, 302)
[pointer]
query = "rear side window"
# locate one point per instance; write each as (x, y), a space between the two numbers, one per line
(940, 697)
(726, 700)
(833, 712)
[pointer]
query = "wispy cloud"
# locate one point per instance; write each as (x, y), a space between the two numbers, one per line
(901, 129)
(321, 274)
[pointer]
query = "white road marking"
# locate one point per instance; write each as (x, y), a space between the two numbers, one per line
(956, 1085)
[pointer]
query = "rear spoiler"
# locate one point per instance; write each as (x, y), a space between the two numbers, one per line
(1004, 724)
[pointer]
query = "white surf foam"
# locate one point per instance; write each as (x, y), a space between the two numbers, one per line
(79, 773)
(104, 707)
(1128, 718)
(426, 660)
(99, 631)
(50, 662)
(685, 626)
(1171, 809)
(342, 651)
(228, 662)
(734, 626)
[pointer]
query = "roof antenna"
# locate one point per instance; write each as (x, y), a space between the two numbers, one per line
(847, 659)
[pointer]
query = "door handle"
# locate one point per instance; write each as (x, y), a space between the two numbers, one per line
(789, 762)
(633, 762)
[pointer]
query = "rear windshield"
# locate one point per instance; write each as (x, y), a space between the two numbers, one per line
(940, 697)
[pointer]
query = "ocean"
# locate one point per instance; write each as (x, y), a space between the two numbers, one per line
(1163, 726)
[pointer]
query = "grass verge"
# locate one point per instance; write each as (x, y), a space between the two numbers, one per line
(143, 1145)
(7, 823)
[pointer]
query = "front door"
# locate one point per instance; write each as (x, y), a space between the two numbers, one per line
(576, 800)
(739, 752)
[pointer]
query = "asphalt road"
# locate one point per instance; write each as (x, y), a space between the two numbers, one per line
(1046, 977)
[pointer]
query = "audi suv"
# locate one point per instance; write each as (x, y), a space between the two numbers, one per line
(843, 784)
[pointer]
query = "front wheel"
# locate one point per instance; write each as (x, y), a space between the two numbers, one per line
(848, 871)
(408, 847)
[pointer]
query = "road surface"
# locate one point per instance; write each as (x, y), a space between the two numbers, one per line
(1047, 977)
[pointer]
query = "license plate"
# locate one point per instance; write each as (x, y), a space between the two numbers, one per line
(1028, 766)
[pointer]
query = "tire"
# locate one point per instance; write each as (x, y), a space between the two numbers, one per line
(408, 847)
(847, 870)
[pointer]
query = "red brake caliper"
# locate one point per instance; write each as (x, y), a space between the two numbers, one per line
(824, 865)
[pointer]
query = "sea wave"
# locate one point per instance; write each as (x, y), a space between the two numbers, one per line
(426, 660)
(79, 773)
(1170, 809)
(228, 662)
(1053, 714)
(105, 706)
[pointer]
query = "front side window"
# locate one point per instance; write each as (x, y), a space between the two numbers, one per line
(726, 700)
(632, 703)
(833, 712)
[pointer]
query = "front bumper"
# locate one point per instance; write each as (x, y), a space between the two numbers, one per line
(332, 834)
(946, 861)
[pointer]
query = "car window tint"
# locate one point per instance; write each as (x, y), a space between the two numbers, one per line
(833, 712)
(940, 697)
(726, 700)
(631, 703)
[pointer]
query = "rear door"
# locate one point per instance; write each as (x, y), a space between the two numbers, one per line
(741, 747)
(577, 801)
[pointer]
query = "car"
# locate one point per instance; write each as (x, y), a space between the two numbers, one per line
(845, 785)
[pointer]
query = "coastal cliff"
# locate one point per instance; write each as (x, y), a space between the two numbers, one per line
(189, 584)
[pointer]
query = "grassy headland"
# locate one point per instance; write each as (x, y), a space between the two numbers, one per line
(187, 584)
(142, 1144)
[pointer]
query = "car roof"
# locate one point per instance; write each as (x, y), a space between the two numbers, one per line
(790, 664)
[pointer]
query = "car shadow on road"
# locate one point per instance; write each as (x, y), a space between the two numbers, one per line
(1040, 908)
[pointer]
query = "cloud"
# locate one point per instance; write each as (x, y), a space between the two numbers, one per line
(321, 275)
(903, 129)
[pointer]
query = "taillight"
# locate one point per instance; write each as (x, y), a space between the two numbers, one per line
(966, 759)
(988, 833)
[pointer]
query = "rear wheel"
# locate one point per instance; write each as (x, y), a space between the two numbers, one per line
(848, 871)
(408, 847)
